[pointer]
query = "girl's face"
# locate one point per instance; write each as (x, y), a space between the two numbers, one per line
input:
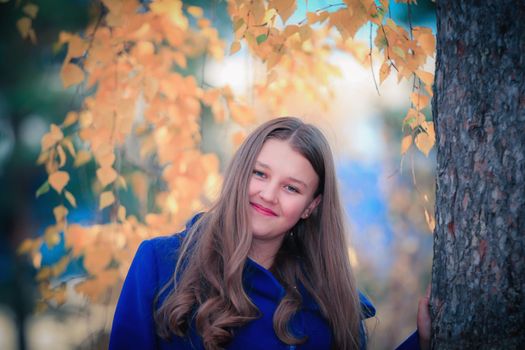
(281, 191)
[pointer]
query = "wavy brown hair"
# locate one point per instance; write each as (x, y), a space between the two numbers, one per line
(207, 284)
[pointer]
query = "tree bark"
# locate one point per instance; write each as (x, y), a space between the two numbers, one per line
(478, 272)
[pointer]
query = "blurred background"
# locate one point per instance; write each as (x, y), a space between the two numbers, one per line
(385, 194)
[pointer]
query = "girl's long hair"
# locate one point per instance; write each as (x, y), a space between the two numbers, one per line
(207, 285)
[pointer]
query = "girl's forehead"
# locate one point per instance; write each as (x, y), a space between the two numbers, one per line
(279, 157)
(278, 149)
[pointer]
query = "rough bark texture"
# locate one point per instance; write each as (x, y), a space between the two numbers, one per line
(478, 280)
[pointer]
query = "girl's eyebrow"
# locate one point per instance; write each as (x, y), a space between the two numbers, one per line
(262, 165)
(293, 179)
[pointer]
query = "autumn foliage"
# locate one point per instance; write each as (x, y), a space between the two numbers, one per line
(143, 107)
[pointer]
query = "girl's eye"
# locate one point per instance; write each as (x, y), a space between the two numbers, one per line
(258, 173)
(291, 189)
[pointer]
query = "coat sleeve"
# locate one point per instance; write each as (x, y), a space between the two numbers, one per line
(133, 324)
(367, 310)
(410, 343)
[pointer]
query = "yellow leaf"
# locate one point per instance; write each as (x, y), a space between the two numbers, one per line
(203, 23)
(31, 10)
(236, 46)
(290, 30)
(269, 17)
(106, 199)
(209, 97)
(323, 16)
(24, 26)
(57, 132)
(82, 158)
(406, 143)
(384, 71)
(78, 237)
(258, 11)
(399, 51)
(85, 119)
(106, 175)
(419, 101)
(239, 26)
(71, 74)
(212, 187)
(424, 142)
(58, 180)
(106, 159)
(37, 255)
(122, 213)
(121, 182)
(26, 246)
(43, 274)
(195, 11)
(60, 266)
(90, 288)
(52, 137)
(238, 138)
(171, 9)
(242, 114)
(71, 118)
(305, 32)
(413, 118)
(69, 145)
(70, 198)
(97, 258)
(426, 40)
(426, 77)
(180, 59)
(250, 39)
(51, 236)
(42, 158)
(429, 128)
(95, 288)
(284, 8)
(61, 156)
(428, 89)
(348, 21)
(312, 17)
(431, 222)
(219, 114)
(76, 46)
(155, 220)
(144, 49)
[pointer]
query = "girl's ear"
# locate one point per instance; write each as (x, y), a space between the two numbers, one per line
(311, 207)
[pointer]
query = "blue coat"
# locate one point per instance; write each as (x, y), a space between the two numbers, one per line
(153, 266)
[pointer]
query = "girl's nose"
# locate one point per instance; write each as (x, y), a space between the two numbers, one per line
(269, 193)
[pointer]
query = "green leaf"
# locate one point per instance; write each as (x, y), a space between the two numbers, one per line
(409, 121)
(237, 24)
(381, 42)
(42, 189)
(399, 51)
(261, 38)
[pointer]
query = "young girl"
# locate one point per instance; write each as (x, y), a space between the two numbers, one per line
(265, 268)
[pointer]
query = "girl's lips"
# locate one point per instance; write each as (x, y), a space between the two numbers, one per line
(263, 210)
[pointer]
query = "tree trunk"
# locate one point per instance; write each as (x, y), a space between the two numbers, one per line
(478, 273)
